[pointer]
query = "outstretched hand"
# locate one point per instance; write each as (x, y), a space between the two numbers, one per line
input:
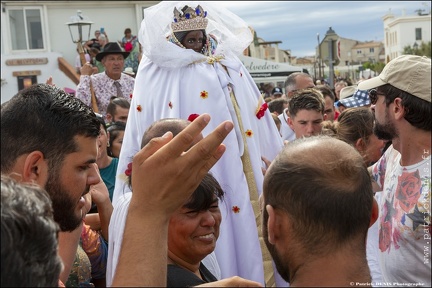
(164, 176)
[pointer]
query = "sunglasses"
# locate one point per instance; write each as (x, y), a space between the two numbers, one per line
(373, 96)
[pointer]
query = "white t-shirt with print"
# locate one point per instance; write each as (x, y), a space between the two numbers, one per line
(404, 220)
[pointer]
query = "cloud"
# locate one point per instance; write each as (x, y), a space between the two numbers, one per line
(296, 23)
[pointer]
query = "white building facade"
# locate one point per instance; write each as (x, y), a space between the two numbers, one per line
(403, 31)
(35, 38)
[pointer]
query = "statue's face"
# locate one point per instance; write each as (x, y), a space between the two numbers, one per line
(194, 40)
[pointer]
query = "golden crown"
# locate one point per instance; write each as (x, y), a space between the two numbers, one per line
(190, 19)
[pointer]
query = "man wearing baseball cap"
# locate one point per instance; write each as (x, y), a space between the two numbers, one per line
(402, 98)
(276, 93)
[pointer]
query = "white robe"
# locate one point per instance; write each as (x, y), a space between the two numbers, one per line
(169, 90)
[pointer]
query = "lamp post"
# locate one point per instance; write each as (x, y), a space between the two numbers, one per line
(83, 26)
(330, 35)
(319, 57)
(415, 47)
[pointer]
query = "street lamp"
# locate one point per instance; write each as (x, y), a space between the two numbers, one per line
(319, 57)
(83, 25)
(331, 36)
(415, 46)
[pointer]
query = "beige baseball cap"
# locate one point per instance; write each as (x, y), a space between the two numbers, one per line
(409, 73)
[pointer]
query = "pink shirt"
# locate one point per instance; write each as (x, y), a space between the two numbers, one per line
(104, 88)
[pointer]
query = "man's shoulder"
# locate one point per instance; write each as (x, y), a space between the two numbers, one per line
(99, 76)
(127, 77)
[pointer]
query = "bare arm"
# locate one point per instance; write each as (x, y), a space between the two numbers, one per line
(232, 282)
(375, 186)
(93, 221)
(100, 197)
(68, 245)
(163, 167)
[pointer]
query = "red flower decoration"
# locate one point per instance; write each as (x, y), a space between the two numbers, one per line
(130, 96)
(262, 110)
(128, 171)
(192, 117)
(236, 209)
(408, 191)
(204, 94)
(139, 108)
(170, 105)
(249, 133)
(385, 236)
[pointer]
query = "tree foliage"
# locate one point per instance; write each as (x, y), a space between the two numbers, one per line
(377, 67)
(423, 50)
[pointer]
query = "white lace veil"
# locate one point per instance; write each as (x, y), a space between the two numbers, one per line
(232, 33)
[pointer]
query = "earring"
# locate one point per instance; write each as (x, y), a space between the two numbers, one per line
(108, 145)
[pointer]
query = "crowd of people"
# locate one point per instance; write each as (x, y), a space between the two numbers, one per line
(205, 181)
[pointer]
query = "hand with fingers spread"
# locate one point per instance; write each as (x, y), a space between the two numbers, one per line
(163, 177)
(179, 171)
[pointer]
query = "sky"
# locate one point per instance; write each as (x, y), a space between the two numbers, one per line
(296, 23)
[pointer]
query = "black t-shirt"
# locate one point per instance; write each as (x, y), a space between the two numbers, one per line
(180, 277)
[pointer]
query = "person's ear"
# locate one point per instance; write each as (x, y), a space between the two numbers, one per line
(108, 117)
(374, 214)
(359, 144)
(398, 109)
(290, 123)
(35, 168)
(277, 225)
(271, 223)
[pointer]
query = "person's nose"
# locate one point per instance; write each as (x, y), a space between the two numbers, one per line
(197, 45)
(310, 129)
(93, 177)
(208, 219)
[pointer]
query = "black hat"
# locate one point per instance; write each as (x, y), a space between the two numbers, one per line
(277, 90)
(111, 48)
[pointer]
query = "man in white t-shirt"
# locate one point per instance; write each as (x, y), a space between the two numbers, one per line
(402, 98)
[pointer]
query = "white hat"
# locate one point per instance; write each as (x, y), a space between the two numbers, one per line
(129, 71)
(347, 91)
(409, 73)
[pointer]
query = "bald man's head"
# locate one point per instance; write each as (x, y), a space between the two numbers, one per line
(322, 184)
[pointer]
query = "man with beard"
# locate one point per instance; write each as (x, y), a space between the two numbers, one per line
(402, 98)
(49, 138)
(318, 206)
